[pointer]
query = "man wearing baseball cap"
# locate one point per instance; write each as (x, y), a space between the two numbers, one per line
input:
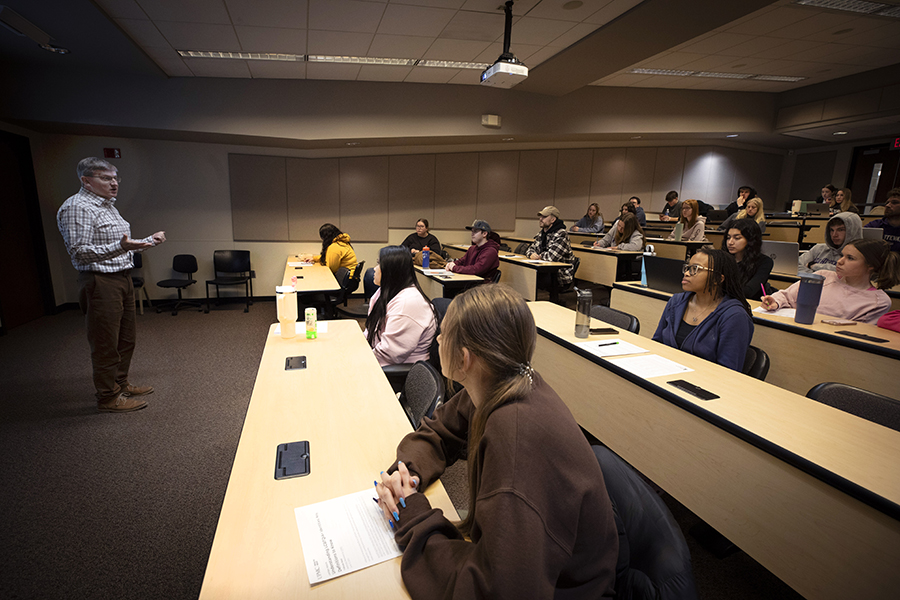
(481, 258)
(552, 244)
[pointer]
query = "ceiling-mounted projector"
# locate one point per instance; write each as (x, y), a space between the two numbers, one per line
(508, 70)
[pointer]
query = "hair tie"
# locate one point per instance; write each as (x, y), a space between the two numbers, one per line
(526, 370)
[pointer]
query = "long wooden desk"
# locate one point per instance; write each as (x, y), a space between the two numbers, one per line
(353, 430)
(782, 281)
(518, 272)
(446, 285)
(801, 356)
(810, 492)
(598, 265)
(682, 250)
(310, 278)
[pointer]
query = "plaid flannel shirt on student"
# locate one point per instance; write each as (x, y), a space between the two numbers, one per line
(558, 250)
(92, 230)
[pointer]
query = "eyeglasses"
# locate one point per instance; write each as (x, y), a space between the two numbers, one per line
(691, 270)
(107, 178)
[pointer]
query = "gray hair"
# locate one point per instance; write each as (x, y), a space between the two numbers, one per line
(88, 166)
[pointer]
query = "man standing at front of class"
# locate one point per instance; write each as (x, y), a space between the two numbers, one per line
(99, 241)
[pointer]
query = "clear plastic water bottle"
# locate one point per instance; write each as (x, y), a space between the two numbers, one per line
(426, 257)
(583, 313)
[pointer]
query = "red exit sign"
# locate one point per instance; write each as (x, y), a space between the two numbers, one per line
(896, 145)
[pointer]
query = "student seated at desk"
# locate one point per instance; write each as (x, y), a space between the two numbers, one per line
(422, 238)
(745, 193)
(842, 228)
(672, 209)
(337, 251)
(890, 221)
(744, 241)
(482, 257)
(540, 522)
(641, 216)
(849, 293)
(842, 202)
(626, 234)
(753, 210)
(401, 323)
(552, 244)
(592, 222)
(694, 224)
(711, 318)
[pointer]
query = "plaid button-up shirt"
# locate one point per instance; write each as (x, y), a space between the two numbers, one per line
(92, 229)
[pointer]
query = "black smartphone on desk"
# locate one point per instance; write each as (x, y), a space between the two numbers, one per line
(692, 389)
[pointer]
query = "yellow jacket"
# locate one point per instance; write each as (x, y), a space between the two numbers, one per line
(339, 254)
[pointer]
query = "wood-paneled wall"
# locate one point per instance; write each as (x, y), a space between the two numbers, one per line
(286, 199)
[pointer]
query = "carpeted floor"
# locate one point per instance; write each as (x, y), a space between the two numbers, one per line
(125, 506)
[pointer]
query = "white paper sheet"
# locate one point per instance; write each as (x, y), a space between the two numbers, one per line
(611, 347)
(294, 263)
(435, 271)
(781, 312)
(321, 327)
(284, 289)
(651, 365)
(343, 535)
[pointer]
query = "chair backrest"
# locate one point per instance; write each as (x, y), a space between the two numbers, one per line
(343, 278)
(756, 363)
(355, 277)
(857, 401)
(231, 261)
(576, 262)
(496, 277)
(138, 259)
(504, 247)
(184, 263)
(440, 309)
(369, 287)
(422, 392)
(521, 248)
(616, 317)
(654, 559)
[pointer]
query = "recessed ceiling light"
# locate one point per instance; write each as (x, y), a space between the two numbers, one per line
(785, 78)
(839, 133)
(854, 6)
(672, 72)
(723, 75)
(353, 143)
(508, 139)
(732, 135)
(573, 5)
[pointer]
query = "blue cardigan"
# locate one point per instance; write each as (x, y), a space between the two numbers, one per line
(722, 337)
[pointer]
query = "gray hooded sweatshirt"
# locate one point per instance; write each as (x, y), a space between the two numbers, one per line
(825, 256)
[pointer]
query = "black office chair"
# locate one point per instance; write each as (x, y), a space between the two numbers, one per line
(857, 401)
(523, 247)
(616, 318)
(423, 391)
(360, 311)
(138, 282)
(186, 264)
(654, 559)
(504, 247)
(231, 267)
(495, 278)
(355, 279)
(756, 363)
(332, 300)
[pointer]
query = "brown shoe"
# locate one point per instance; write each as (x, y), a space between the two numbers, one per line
(134, 390)
(122, 403)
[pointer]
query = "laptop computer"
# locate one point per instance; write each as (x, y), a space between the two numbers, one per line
(663, 274)
(818, 210)
(716, 216)
(873, 233)
(784, 254)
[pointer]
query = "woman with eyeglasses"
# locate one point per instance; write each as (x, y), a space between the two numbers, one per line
(693, 223)
(540, 522)
(422, 238)
(711, 318)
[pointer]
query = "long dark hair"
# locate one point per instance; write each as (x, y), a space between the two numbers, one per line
(884, 262)
(724, 276)
(629, 226)
(328, 232)
(752, 252)
(397, 274)
(495, 324)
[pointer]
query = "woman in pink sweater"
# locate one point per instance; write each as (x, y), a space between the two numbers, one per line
(854, 290)
(401, 322)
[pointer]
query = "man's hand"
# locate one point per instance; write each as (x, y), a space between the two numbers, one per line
(413, 251)
(534, 256)
(575, 228)
(129, 244)
(449, 266)
(159, 237)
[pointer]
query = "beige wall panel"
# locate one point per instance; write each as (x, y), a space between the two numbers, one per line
(801, 114)
(364, 198)
(573, 183)
(852, 104)
(640, 164)
(760, 171)
(313, 191)
(455, 190)
(607, 178)
(498, 174)
(812, 172)
(410, 190)
(697, 170)
(722, 166)
(258, 197)
(668, 176)
(537, 181)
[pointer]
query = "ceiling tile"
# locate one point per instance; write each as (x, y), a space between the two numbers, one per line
(839, 33)
(144, 33)
(787, 50)
(431, 75)
(273, 69)
(399, 46)
(122, 9)
(400, 20)
(711, 62)
(529, 30)
(345, 15)
(553, 9)
(819, 53)
(216, 67)
(770, 20)
(540, 56)
(573, 35)
(174, 67)
(289, 14)
(199, 36)
(815, 24)
(655, 81)
(760, 44)
(466, 77)
(455, 4)
(623, 80)
(475, 26)
(671, 60)
(195, 11)
(331, 71)
(159, 54)
(461, 50)
(718, 42)
(861, 55)
(611, 11)
(339, 43)
(738, 64)
(383, 73)
(520, 8)
(271, 39)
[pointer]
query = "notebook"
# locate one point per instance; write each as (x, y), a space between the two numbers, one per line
(664, 274)
(784, 254)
